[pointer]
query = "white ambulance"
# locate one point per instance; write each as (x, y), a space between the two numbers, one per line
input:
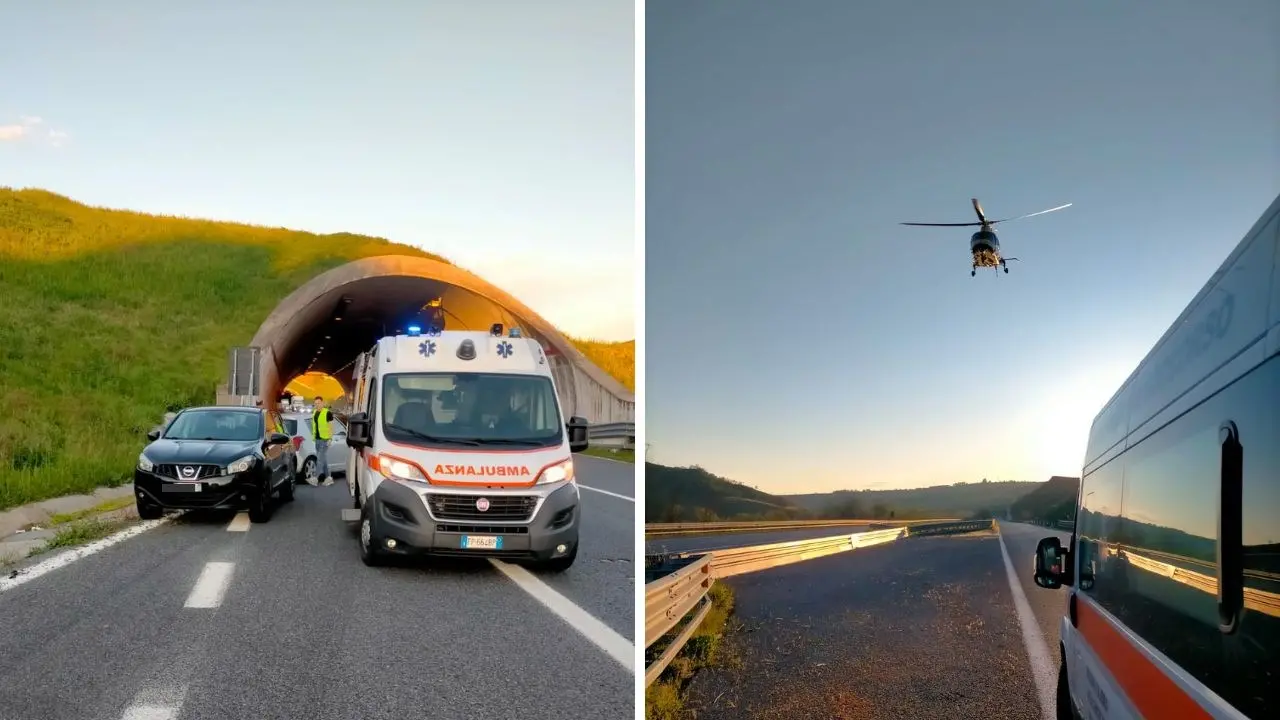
(459, 448)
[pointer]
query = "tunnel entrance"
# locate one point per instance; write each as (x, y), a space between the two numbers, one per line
(322, 326)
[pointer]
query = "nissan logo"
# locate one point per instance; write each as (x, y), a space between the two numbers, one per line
(482, 504)
(188, 471)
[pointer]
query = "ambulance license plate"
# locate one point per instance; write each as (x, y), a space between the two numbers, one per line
(481, 542)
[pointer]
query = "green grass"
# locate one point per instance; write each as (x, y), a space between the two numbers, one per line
(616, 358)
(80, 533)
(621, 455)
(106, 506)
(665, 698)
(111, 318)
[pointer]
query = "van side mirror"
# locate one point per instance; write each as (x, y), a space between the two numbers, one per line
(358, 431)
(1053, 564)
(577, 427)
(153, 434)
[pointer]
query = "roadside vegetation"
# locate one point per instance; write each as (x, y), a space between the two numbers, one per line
(112, 318)
(616, 358)
(665, 698)
(620, 454)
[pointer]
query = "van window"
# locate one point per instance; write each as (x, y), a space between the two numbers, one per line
(290, 427)
(1149, 540)
(446, 409)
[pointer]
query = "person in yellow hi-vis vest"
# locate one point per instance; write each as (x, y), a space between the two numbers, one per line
(320, 419)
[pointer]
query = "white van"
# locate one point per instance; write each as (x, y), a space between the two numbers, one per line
(459, 448)
(1173, 567)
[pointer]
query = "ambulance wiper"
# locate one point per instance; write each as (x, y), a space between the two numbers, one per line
(506, 441)
(429, 438)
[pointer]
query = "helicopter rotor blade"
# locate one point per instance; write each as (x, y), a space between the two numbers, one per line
(942, 224)
(977, 207)
(1042, 212)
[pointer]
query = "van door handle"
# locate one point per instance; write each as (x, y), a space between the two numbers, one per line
(1230, 529)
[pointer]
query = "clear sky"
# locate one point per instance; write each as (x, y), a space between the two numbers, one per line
(498, 134)
(798, 339)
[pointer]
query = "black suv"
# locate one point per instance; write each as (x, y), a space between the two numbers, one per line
(215, 458)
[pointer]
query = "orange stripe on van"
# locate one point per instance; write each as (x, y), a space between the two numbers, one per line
(1152, 692)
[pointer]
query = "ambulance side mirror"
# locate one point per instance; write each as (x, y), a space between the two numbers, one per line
(358, 431)
(577, 427)
(1052, 564)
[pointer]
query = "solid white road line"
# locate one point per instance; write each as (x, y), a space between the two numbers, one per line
(156, 703)
(1044, 671)
(603, 636)
(70, 556)
(211, 585)
(239, 523)
(606, 492)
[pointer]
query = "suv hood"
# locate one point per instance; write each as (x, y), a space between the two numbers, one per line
(212, 452)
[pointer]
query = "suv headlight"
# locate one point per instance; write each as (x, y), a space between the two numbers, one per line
(145, 464)
(241, 465)
(557, 473)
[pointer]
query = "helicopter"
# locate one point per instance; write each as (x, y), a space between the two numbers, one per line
(984, 244)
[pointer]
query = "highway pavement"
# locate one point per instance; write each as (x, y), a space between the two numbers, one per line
(924, 627)
(212, 617)
(716, 541)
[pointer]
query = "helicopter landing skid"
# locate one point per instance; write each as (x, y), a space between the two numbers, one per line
(1003, 266)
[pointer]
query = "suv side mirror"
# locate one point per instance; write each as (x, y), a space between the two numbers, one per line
(1053, 564)
(577, 427)
(279, 439)
(358, 431)
(153, 434)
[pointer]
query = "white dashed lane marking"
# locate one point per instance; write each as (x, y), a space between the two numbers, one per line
(239, 523)
(606, 492)
(211, 585)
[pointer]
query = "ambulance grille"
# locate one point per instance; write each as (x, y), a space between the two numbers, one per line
(508, 508)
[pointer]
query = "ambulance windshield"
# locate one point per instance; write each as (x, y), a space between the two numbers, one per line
(470, 409)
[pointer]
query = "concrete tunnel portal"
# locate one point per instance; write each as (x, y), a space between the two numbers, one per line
(324, 324)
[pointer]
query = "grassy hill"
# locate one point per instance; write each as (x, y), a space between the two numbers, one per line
(109, 318)
(1049, 501)
(694, 495)
(691, 494)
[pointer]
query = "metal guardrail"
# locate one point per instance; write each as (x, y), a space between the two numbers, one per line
(660, 529)
(671, 598)
(612, 431)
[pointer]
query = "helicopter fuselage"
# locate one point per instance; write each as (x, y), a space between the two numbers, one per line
(985, 247)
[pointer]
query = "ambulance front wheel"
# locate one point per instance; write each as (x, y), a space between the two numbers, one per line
(370, 549)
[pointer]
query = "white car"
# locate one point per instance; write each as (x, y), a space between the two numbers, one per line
(298, 426)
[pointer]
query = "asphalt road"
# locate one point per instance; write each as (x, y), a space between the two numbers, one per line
(198, 619)
(920, 628)
(693, 543)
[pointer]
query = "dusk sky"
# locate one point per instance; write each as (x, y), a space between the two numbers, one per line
(799, 339)
(498, 134)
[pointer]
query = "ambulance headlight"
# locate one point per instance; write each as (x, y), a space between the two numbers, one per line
(557, 473)
(398, 469)
(145, 464)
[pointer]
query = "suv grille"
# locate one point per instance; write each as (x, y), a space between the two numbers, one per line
(517, 508)
(179, 471)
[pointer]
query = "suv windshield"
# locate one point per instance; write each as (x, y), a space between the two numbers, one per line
(470, 409)
(214, 424)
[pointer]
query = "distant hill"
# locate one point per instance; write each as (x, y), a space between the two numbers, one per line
(694, 495)
(1049, 502)
(963, 500)
(691, 494)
